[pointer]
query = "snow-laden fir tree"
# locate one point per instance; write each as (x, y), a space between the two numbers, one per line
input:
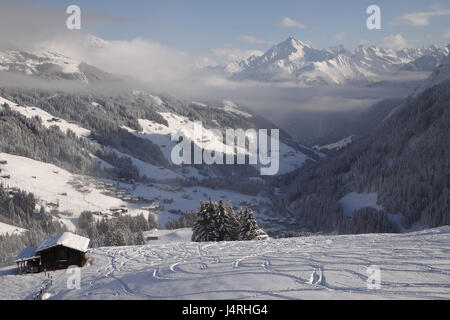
(152, 224)
(115, 238)
(199, 229)
(139, 238)
(217, 222)
(226, 222)
(248, 227)
(204, 228)
(233, 220)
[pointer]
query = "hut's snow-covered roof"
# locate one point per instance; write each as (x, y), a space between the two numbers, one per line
(27, 254)
(66, 239)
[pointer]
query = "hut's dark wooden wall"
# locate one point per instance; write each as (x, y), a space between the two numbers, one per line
(61, 257)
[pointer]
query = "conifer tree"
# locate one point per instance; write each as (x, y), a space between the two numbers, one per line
(202, 226)
(226, 222)
(152, 224)
(248, 227)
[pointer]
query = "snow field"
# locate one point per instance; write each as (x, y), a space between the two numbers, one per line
(10, 229)
(51, 184)
(47, 119)
(413, 266)
(290, 159)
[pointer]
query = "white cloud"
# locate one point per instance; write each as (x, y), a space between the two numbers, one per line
(157, 66)
(420, 19)
(364, 42)
(339, 36)
(22, 24)
(446, 35)
(290, 23)
(394, 41)
(251, 39)
(228, 55)
(154, 65)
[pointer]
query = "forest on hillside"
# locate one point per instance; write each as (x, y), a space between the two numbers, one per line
(405, 160)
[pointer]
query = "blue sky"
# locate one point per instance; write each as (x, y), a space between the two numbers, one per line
(198, 26)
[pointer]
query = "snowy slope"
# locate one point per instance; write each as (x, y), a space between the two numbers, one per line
(166, 236)
(34, 176)
(156, 100)
(161, 135)
(48, 120)
(440, 74)
(149, 170)
(32, 62)
(9, 229)
(49, 64)
(353, 201)
(49, 183)
(230, 106)
(290, 159)
(413, 266)
(336, 145)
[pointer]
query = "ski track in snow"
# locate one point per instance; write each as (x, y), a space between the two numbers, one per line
(413, 266)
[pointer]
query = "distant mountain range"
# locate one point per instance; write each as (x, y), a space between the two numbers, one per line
(291, 60)
(297, 61)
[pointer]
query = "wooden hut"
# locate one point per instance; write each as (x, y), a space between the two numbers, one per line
(27, 260)
(58, 252)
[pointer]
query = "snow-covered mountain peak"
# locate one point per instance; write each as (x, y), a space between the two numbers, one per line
(94, 42)
(293, 42)
(339, 49)
(38, 61)
(50, 64)
(290, 49)
(295, 60)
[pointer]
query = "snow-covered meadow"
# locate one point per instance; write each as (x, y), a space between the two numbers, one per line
(48, 119)
(35, 176)
(290, 159)
(413, 266)
(9, 229)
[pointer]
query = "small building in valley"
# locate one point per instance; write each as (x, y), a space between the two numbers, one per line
(58, 252)
(261, 235)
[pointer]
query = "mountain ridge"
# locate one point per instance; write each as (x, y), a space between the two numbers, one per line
(294, 60)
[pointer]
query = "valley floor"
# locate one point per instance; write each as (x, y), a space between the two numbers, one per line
(413, 266)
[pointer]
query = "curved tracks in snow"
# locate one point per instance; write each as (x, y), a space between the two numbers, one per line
(413, 265)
